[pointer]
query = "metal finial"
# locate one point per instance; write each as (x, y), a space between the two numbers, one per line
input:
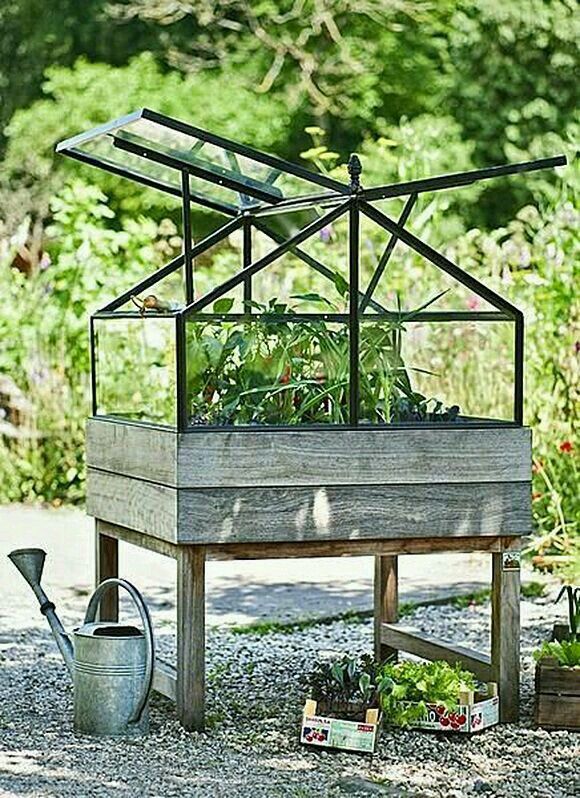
(354, 169)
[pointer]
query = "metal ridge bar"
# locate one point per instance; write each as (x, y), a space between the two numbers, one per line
(440, 260)
(457, 179)
(246, 260)
(180, 375)
(353, 326)
(176, 263)
(519, 370)
(384, 259)
(254, 268)
(166, 188)
(248, 152)
(441, 316)
(307, 258)
(134, 314)
(186, 228)
(146, 151)
(93, 364)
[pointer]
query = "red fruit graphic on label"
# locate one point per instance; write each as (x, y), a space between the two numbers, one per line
(461, 719)
(444, 721)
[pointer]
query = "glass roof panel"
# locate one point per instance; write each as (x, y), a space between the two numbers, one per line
(154, 149)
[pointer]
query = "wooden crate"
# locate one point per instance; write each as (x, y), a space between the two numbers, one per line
(347, 735)
(557, 696)
(474, 713)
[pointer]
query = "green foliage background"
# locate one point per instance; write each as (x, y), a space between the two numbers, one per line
(415, 87)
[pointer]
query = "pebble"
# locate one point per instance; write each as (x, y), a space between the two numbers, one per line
(251, 748)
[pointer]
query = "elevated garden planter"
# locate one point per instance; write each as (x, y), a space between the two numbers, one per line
(310, 394)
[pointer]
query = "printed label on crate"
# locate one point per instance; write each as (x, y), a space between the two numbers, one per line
(440, 718)
(335, 733)
(484, 714)
(463, 719)
(511, 560)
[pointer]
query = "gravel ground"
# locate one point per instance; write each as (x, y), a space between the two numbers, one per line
(250, 749)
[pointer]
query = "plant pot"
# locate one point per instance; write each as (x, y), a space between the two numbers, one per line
(557, 696)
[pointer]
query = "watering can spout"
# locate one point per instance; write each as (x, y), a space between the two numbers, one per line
(30, 563)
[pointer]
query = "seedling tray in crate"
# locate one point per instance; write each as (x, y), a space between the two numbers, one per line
(348, 735)
(474, 713)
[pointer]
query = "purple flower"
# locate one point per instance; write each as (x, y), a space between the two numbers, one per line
(326, 233)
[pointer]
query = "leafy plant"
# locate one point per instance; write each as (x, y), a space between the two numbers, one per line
(566, 652)
(405, 688)
(344, 687)
(273, 369)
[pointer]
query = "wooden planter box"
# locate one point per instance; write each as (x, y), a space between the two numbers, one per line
(557, 696)
(288, 486)
(348, 735)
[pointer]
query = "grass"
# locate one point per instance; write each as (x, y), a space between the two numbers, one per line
(406, 608)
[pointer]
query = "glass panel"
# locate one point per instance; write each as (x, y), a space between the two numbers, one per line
(231, 178)
(406, 280)
(300, 287)
(135, 369)
(211, 268)
(447, 372)
(284, 372)
(221, 161)
(166, 295)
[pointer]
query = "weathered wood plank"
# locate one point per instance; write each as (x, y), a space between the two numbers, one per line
(378, 456)
(557, 712)
(141, 539)
(562, 681)
(143, 506)
(359, 457)
(231, 515)
(136, 451)
(386, 603)
(165, 679)
(405, 638)
(106, 567)
(505, 636)
(355, 548)
(191, 637)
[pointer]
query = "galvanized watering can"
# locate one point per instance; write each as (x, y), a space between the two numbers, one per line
(111, 664)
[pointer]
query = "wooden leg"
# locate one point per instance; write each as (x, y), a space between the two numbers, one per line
(386, 602)
(505, 636)
(191, 637)
(107, 566)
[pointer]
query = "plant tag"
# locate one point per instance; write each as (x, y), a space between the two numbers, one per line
(511, 560)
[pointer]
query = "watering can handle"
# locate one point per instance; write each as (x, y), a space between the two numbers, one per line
(91, 614)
